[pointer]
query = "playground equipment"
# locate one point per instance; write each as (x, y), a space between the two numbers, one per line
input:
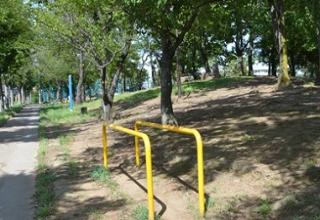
(148, 154)
(198, 139)
(137, 134)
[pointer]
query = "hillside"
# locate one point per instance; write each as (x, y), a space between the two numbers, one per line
(261, 150)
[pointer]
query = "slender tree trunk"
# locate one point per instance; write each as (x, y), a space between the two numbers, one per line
(6, 97)
(59, 95)
(269, 67)
(23, 97)
(80, 81)
(178, 72)
(316, 18)
(250, 55)
(19, 95)
(205, 62)
(153, 71)
(215, 70)
(11, 96)
(1, 95)
(124, 83)
(83, 93)
(106, 98)
(167, 115)
(40, 96)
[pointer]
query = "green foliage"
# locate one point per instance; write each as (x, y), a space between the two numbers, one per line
(264, 208)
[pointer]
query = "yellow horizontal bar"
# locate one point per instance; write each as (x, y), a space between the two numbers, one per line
(199, 143)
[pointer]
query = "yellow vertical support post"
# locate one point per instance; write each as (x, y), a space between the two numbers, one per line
(149, 177)
(105, 146)
(200, 165)
(200, 173)
(136, 145)
(148, 154)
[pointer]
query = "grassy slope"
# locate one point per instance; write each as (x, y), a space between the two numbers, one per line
(54, 114)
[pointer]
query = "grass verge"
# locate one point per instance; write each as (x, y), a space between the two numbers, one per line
(7, 114)
(44, 194)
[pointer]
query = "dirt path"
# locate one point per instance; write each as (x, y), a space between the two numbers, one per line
(18, 147)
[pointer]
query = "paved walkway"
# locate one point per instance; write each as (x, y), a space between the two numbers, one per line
(18, 149)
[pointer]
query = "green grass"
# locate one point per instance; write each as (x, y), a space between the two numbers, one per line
(56, 114)
(6, 115)
(264, 208)
(140, 213)
(135, 98)
(44, 194)
(102, 175)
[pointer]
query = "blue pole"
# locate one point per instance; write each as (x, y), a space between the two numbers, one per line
(70, 94)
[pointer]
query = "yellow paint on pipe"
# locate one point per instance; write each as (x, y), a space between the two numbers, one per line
(196, 134)
(147, 146)
(105, 146)
(136, 146)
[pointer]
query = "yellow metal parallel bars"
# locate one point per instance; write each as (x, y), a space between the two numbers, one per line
(188, 131)
(147, 146)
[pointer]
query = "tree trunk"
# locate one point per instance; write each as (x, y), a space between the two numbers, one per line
(23, 97)
(83, 92)
(1, 95)
(153, 71)
(40, 96)
(250, 55)
(124, 83)
(11, 96)
(215, 70)
(167, 115)
(6, 97)
(59, 95)
(80, 81)
(269, 67)
(316, 18)
(277, 14)
(205, 62)
(109, 89)
(178, 73)
(106, 98)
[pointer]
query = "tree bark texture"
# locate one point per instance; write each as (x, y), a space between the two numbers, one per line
(277, 14)
(167, 115)
(178, 73)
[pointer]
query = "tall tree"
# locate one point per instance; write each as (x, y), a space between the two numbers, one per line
(278, 20)
(168, 22)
